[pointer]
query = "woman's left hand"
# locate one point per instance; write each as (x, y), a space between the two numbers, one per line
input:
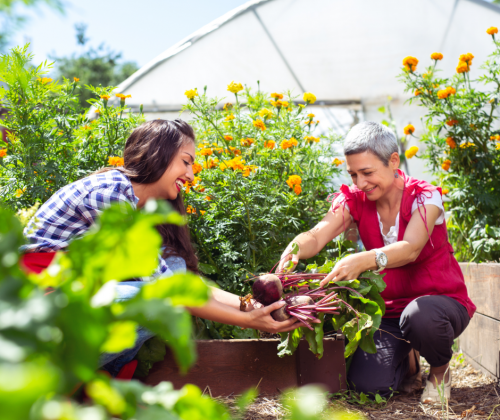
(348, 268)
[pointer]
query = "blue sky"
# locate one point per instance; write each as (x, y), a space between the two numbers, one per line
(139, 29)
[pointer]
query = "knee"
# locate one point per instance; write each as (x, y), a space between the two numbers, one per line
(417, 317)
(370, 385)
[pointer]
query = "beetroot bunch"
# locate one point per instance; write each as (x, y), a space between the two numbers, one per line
(300, 304)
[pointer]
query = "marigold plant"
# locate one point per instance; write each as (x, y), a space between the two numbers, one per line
(460, 138)
(266, 176)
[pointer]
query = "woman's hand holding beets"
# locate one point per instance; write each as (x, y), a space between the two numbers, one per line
(261, 319)
(349, 268)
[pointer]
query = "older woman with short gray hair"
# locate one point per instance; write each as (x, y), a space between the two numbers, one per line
(401, 223)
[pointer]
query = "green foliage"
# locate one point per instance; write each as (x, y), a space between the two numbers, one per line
(93, 66)
(360, 314)
(463, 151)
(256, 188)
(51, 140)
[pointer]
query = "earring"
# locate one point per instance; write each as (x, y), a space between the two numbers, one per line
(396, 175)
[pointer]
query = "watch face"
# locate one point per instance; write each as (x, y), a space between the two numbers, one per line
(383, 260)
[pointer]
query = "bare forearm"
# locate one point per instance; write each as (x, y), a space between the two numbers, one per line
(220, 312)
(308, 244)
(400, 253)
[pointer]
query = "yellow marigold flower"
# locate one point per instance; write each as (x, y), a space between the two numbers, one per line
(437, 56)
(265, 113)
(247, 142)
(412, 151)
(337, 162)
(467, 58)
(294, 180)
(442, 94)
(297, 189)
(236, 163)
(234, 87)
(311, 139)
(202, 212)
(277, 95)
(495, 137)
(116, 161)
(191, 93)
(450, 142)
(462, 67)
(311, 116)
(230, 117)
(497, 146)
(20, 192)
(259, 124)
(76, 79)
(409, 129)
(284, 104)
(228, 138)
(445, 191)
(467, 145)
(410, 63)
(206, 152)
(418, 92)
(105, 97)
(270, 144)
(302, 105)
(197, 168)
(3, 153)
(97, 111)
(446, 164)
(44, 80)
(309, 98)
(227, 105)
(492, 30)
(273, 103)
(211, 163)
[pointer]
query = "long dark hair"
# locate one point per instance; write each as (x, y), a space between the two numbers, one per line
(148, 152)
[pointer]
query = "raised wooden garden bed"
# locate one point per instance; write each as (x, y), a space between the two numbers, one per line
(233, 366)
(480, 342)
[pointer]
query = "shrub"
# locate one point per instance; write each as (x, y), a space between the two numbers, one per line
(262, 177)
(52, 141)
(463, 148)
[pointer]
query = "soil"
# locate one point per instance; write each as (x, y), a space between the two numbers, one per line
(473, 396)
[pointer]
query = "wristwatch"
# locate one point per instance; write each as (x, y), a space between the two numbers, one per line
(380, 259)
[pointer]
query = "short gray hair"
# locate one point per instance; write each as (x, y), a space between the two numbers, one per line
(371, 137)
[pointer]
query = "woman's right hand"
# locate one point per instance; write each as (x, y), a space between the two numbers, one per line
(289, 255)
(261, 319)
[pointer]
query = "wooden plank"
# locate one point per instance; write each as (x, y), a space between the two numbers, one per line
(483, 286)
(480, 343)
(233, 366)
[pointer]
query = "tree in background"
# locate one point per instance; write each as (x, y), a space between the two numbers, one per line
(11, 20)
(96, 67)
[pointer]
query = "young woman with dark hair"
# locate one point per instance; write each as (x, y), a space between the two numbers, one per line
(158, 159)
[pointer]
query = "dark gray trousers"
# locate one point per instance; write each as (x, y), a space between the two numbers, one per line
(429, 323)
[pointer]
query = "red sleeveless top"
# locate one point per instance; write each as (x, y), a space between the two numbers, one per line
(434, 272)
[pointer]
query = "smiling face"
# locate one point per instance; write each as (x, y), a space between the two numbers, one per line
(370, 174)
(178, 172)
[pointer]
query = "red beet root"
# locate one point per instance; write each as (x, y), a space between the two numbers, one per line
(267, 289)
(282, 314)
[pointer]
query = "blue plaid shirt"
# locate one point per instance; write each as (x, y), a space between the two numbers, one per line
(71, 211)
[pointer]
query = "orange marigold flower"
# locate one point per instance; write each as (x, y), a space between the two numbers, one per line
(197, 168)
(208, 198)
(410, 63)
(446, 164)
(294, 180)
(288, 144)
(495, 137)
(259, 124)
(122, 96)
(105, 97)
(492, 30)
(277, 95)
(462, 67)
(234, 150)
(467, 58)
(450, 142)
(190, 210)
(3, 153)
(451, 122)
(297, 189)
(337, 162)
(206, 152)
(116, 161)
(409, 129)
(418, 92)
(437, 56)
(247, 142)
(228, 138)
(270, 144)
(76, 79)
(445, 191)
(211, 163)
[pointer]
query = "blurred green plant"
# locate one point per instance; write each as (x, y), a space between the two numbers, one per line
(262, 177)
(51, 140)
(463, 147)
